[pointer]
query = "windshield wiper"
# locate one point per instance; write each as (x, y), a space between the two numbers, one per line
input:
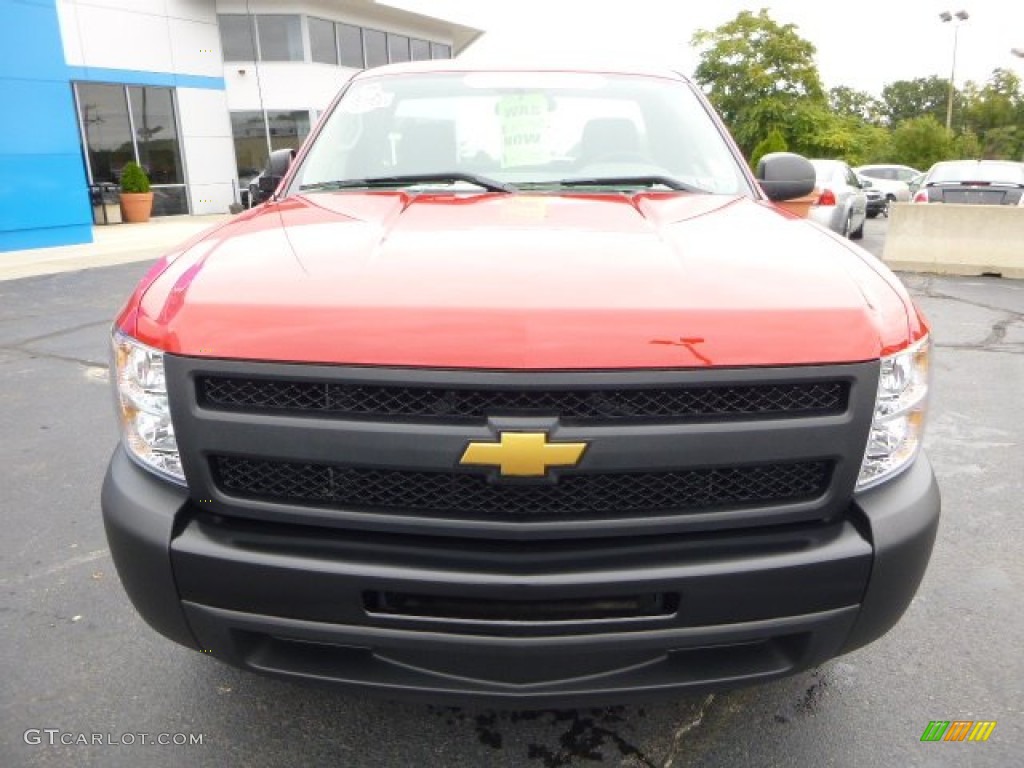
(492, 185)
(631, 181)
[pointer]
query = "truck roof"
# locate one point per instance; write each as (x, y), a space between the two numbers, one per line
(556, 64)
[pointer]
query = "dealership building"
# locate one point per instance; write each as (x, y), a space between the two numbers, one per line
(198, 92)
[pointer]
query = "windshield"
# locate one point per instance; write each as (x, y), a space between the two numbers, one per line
(992, 173)
(529, 129)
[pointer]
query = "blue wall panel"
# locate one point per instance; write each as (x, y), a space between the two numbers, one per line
(144, 77)
(44, 197)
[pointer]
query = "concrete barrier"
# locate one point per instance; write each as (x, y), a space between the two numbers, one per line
(956, 239)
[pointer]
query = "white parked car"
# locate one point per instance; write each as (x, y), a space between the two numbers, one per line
(893, 180)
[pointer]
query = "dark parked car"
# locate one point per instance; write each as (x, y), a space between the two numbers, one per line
(973, 182)
(878, 201)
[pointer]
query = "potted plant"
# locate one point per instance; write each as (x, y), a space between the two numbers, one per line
(136, 197)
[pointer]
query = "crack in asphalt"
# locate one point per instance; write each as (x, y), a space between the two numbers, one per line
(63, 331)
(72, 562)
(927, 287)
(685, 728)
(997, 332)
(33, 354)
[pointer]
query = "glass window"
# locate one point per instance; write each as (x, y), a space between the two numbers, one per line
(420, 50)
(156, 134)
(280, 38)
(288, 129)
(170, 201)
(440, 51)
(236, 37)
(250, 135)
(350, 43)
(981, 171)
(322, 46)
(398, 48)
(109, 143)
(376, 45)
(108, 133)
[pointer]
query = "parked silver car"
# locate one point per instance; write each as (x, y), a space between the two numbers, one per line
(841, 205)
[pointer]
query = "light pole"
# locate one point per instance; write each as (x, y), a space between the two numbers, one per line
(961, 17)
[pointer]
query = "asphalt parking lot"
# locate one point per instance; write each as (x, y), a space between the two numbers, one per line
(78, 661)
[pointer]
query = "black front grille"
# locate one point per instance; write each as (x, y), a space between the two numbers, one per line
(805, 398)
(470, 495)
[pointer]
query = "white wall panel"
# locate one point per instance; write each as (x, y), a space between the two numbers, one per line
(284, 85)
(211, 198)
(151, 7)
(178, 36)
(118, 39)
(195, 48)
(203, 112)
(208, 149)
(67, 15)
(209, 159)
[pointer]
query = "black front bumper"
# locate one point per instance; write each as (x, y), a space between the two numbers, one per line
(304, 602)
(879, 205)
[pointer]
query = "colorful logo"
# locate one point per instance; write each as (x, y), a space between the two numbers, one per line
(958, 730)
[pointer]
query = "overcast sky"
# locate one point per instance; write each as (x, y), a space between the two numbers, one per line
(864, 44)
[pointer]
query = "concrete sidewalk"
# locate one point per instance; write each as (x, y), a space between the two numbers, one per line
(114, 244)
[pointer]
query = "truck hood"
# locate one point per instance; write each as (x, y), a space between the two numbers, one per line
(527, 281)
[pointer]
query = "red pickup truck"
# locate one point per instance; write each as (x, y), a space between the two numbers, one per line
(519, 387)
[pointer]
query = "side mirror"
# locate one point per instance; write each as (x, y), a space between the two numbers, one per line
(784, 176)
(864, 184)
(277, 166)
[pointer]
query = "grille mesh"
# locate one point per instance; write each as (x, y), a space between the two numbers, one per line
(459, 494)
(570, 405)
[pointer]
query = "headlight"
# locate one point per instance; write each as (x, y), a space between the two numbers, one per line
(900, 407)
(140, 393)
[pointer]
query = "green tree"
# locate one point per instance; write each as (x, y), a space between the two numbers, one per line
(872, 145)
(920, 142)
(908, 99)
(849, 138)
(967, 145)
(995, 112)
(773, 142)
(860, 105)
(760, 75)
(1004, 143)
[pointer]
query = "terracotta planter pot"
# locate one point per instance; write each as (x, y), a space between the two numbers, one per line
(136, 206)
(800, 206)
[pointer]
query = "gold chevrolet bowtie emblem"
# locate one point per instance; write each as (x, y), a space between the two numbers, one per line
(523, 454)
